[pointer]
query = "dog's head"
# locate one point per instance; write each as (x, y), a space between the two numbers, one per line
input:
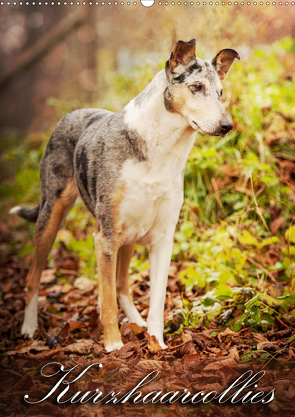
(194, 87)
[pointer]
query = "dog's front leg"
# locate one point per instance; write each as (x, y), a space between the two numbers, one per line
(160, 257)
(106, 254)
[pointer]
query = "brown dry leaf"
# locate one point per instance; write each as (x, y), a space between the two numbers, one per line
(227, 332)
(55, 288)
(233, 353)
(84, 284)
(83, 347)
(149, 364)
(277, 224)
(66, 287)
(267, 345)
(126, 351)
(186, 337)
(153, 345)
(89, 309)
(37, 345)
(70, 263)
(135, 328)
(48, 276)
(214, 350)
(189, 358)
(187, 349)
(214, 366)
(259, 338)
(74, 325)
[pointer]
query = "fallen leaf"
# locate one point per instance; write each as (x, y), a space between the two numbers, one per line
(48, 276)
(189, 358)
(153, 345)
(233, 353)
(135, 328)
(34, 345)
(267, 345)
(276, 224)
(214, 366)
(85, 284)
(89, 309)
(227, 332)
(74, 325)
(186, 337)
(259, 338)
(83, 347)
(149, 364)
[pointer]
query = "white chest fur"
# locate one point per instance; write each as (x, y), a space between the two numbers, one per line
(153, 193)
(153, 189)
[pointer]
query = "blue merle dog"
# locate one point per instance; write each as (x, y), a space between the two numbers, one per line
(128, 169)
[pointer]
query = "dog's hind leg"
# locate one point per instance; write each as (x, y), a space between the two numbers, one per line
(106, 254)
(49, 220)
(125, 254)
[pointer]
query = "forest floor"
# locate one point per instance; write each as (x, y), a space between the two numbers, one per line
(70, 334)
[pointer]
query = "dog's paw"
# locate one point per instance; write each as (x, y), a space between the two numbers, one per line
(155, 328)
(159, 338)
(131, 311)
(140, 322)
(163, 346)
(114, 346)
(28, 329)
(161, 342)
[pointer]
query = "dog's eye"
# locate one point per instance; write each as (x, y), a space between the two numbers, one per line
(221, 92)
(196, 88)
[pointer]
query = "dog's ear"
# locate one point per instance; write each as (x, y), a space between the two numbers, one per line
(182, 53)
(223, 61)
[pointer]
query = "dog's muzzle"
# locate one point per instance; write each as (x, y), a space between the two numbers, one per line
(225, 126)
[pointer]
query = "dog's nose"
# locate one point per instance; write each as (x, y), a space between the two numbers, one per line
(225, 125)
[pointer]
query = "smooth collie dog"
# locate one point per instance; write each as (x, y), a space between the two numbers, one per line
(128, 169)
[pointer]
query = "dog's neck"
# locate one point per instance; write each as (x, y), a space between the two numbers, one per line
(158, 127)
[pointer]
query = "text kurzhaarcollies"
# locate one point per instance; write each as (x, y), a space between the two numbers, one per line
(241, 391)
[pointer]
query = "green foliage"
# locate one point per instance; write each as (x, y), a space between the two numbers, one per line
(236, 307)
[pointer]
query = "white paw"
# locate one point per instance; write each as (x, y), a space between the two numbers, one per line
(159, 337)
(163, 346)
(131, 311)
(140, 322)
(29, 329)
(160, 341)
(110, 348)
(156, 328)
(30, 323)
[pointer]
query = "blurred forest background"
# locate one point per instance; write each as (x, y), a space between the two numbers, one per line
(236, 227)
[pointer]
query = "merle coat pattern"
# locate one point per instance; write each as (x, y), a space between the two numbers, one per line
(128, 169)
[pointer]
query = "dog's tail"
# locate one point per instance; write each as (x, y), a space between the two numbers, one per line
(29, 214)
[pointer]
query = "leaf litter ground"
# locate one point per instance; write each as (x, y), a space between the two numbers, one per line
(198, 358)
